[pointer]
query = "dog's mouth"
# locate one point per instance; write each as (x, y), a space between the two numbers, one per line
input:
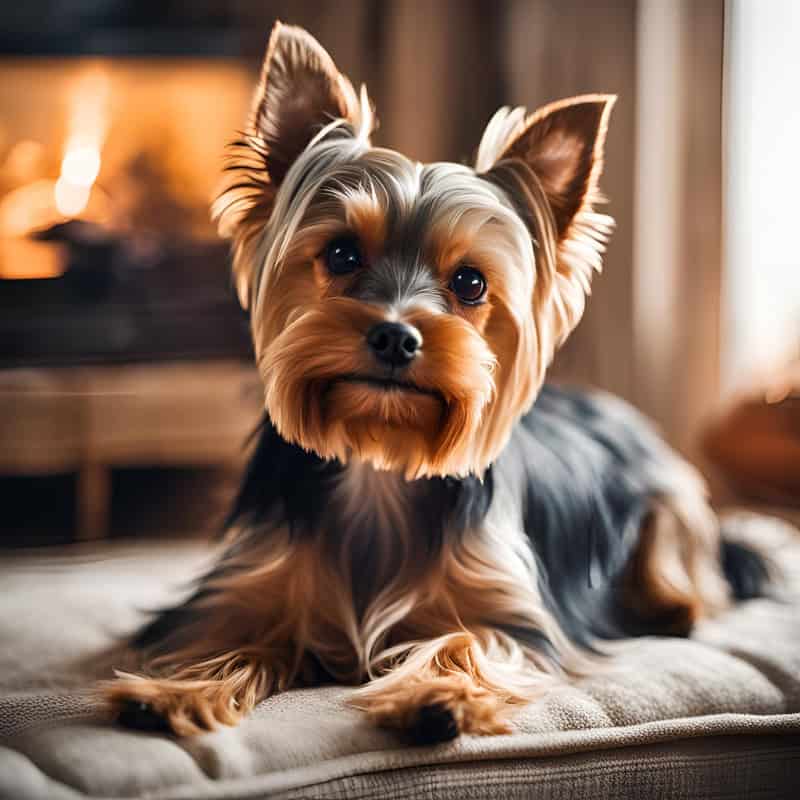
(390, 385)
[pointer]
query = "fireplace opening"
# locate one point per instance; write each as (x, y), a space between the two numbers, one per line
(108, 166)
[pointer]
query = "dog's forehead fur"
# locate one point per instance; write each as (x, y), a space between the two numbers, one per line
(430, 218)
(417, 222)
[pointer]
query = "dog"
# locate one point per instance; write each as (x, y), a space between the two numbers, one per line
(423, 517)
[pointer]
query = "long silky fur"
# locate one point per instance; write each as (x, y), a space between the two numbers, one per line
(453, 550)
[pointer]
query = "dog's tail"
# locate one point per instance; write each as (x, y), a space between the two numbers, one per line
(747, 571)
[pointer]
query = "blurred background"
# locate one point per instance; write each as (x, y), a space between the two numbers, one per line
(126, 381)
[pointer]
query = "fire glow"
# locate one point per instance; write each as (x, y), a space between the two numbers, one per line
(87, 127)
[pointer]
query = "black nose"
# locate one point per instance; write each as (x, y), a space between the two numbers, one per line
(394, 343)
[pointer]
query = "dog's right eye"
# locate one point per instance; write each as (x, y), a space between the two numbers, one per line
(343, 256)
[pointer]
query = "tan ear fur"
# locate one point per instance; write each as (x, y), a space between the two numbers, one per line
(562, 143)
(300, 92)
(549, 163)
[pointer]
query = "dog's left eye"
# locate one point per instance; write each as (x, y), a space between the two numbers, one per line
(343, 256)
(468, 285)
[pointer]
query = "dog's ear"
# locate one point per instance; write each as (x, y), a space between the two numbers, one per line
(562, 143)
(549, 164)
(300, 92)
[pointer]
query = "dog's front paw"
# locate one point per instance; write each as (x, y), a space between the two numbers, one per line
(436, 711)
(433, 723)
(140, 716)
(184, 708)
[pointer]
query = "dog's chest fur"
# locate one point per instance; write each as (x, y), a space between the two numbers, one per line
(369, 534)
(369, 525)
(383, 528)
(344, 560)
(414, 560)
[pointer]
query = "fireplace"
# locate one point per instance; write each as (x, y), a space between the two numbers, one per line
(107, 169)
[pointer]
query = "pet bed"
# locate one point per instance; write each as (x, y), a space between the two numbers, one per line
(711, 717)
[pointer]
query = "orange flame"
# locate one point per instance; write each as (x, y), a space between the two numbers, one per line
(87, 127)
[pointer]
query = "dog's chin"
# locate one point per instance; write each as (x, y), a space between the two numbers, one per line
(390, 424)
(383, 405)
(382, 386)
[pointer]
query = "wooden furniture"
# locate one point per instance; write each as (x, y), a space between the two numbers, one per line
(91, 419)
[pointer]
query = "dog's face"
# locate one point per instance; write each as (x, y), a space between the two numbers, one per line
(405, 314)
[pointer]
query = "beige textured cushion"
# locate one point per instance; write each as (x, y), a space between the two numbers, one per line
(717, 716)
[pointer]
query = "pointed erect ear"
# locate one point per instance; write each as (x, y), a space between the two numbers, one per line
(300, 92)
(562, 143)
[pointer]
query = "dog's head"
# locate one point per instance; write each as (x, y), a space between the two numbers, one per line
(404, 314)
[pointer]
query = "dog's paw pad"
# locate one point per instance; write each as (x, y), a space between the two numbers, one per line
(434, 723)
(141, 716)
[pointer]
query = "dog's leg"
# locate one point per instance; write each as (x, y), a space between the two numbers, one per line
(244, 635)
(196, 697)
(674, 577)
(447, 686)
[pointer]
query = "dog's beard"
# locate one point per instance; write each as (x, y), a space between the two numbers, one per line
(324, 392)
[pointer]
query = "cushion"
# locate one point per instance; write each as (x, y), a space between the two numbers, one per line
(714, 716)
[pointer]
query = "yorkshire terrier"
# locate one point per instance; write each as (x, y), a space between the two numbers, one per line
(422, 516)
